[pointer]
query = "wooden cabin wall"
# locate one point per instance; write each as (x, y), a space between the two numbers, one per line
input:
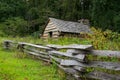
(50, 28)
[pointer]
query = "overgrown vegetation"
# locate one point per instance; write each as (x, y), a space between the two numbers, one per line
(18, 66)
(32, 15)
(106, 40)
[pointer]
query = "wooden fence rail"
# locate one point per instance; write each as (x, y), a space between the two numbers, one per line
(74, 60)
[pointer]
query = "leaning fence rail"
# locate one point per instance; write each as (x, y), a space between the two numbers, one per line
(73, 60)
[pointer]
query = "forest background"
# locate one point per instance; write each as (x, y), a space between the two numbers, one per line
(28, 17)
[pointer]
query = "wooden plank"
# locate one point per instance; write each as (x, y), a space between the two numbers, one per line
(96, 52)
(105, 53)
(51, 28)
(77, 77)
(33, 45)
(78, 68)
(55, 36)
(36, 54)
(58, 60)
(54, 46)
(79, 57)
(76, 52)
(102, 76)
(55, 32)
(36, 51)
(73, 46)
(8, 44)
(71, 71)
(39, 56)
(106, 65)
(68, 70)
(71, 63)
(50, 25)
(45, 34)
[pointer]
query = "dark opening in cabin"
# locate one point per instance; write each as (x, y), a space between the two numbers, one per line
(50, 34)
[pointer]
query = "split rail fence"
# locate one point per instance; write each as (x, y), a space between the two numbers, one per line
(73, 59)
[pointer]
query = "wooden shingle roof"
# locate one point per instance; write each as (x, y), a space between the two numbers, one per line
(69, 26)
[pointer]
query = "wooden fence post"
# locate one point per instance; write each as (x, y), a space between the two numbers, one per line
(20, 47)
(7, 44)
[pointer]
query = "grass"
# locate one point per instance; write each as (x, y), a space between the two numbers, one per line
(60, 41)
(16, 68)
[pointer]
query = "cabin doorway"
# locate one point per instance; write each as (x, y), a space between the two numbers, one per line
(50, 34)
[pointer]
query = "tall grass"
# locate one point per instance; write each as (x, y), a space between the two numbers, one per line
(16, 66)
(106, 40)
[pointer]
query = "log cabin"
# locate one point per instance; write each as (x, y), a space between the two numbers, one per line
(59, 28)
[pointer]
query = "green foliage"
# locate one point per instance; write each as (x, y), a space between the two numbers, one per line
(18, 67)
(11, 8)
(66, 41)
(32, 14)
(103, 14)
(36, 34)
(15, 26)
(105, 39)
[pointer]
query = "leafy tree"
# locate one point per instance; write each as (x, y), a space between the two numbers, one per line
(15, 26)
(34, 14)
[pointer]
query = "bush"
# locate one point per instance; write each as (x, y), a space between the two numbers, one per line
(104, 39)
(15, 26)
(36, 34)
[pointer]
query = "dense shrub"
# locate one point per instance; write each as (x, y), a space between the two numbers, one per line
(104, 39)
(15, 26)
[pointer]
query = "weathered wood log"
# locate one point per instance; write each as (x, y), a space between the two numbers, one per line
(43, 58)
(78, 68)
(96, 52)
(36, 51)
(73, 46)
(71, 63)
(79, 57)
(36, 54)
(71, 71)
(106, 65)
(102, 76)
(7, 44)
(33, 45)
(105, 53)
(21, 47)
(76, 52)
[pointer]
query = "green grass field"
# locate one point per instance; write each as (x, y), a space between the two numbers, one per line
(13, 67)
